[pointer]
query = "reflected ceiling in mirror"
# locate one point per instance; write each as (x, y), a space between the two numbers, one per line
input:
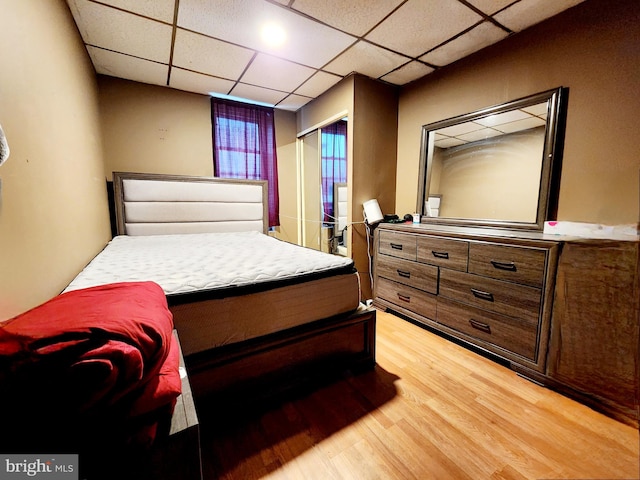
(495, 167)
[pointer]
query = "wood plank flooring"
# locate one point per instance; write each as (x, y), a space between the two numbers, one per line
(430, 410)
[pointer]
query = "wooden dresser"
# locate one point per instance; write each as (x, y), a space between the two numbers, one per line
(494, 291)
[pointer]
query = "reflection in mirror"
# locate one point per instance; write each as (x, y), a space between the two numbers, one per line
(340, 213)
(493, 167)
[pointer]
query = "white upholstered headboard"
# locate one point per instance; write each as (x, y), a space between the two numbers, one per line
(340, 205)
(156, 204)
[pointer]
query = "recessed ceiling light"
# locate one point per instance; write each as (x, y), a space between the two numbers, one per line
(273, 35)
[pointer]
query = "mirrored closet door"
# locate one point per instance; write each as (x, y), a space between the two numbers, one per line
(322, 185)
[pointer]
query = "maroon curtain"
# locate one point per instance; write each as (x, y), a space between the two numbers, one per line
(334, 163)
(244, 146)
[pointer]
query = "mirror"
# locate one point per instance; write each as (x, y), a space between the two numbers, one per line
(496, 167)
(323, 187)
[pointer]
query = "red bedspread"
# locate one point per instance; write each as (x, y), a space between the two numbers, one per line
(90, 359)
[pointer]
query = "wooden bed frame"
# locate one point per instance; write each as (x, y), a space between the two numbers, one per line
(266, 364)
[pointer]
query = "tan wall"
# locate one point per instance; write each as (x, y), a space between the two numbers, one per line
(375, 131)
(287, 175)
(152, 129)
(593, 50)
(53, 211)
(375, 128)
(147, 128)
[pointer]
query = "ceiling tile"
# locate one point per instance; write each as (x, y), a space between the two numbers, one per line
(106, 27)
(356, 16)
(198, 83)
(367, 59)
(525, 124)
(529, 12)
(407, 73)
(162, 10)
(459, 129)
(448, 142)
(476, 39)
(217, 41)
(490, 6)
(539, 109)
(420, 25)
(318, 83)
(131, 68)
(480, 134)
(293, 102)
(262, 95)
(202, 54)
(271, 72)
(241, 21)
(500, 118)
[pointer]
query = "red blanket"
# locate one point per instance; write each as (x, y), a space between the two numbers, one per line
(104, 354)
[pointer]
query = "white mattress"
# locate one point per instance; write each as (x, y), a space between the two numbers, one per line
(189, 263)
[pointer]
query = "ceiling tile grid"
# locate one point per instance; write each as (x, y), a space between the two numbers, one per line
(259, 94)
(198, 83)
(368, 59)
(317, 84)
(202, 54)
(477, 38)
(523, 14)
(216, 47)
(406, 73)
(125, 66)
(122, 32)
(356, 17)
(162, 10)
(420, 25)
(276, 73)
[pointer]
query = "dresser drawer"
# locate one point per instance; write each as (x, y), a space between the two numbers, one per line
(501, 297)
(512, 334)
(515, 264)
(443, 252)
(407, 297)
(398, 245)
(417, 275)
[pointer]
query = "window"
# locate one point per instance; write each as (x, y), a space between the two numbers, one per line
(244, 146)
(334, 163)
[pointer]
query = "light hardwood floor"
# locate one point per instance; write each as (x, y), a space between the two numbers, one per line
(430, 410)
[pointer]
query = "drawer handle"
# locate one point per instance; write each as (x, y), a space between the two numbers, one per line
(405, 298)
(440, 254)
(479, 325)
(396, 246)
(482, 295)
(404, 274)
(510, 266)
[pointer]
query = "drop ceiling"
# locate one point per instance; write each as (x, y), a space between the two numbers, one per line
(214, 47)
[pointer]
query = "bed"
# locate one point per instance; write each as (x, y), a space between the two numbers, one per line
(252, 312)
